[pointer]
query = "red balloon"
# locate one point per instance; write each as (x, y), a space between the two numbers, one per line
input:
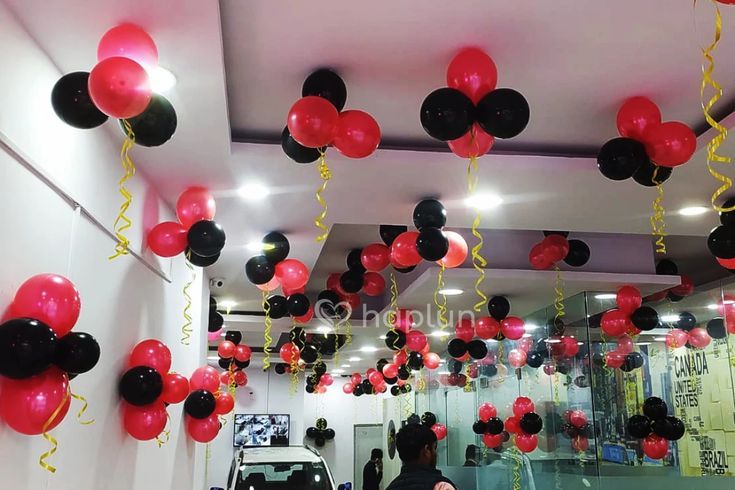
(356, 378)
(240, 378)
(312, 121)
(416, 340)
(699, 338)
(614, 359)
(670, 144)
(676, 338)
(333, 282)
(492, 440)
(525, 344)
(152, 353)
(167, 239)
(655, 447)
(555, 248)
(431, 361)
(204, 378)
(513, 327)
(517, 358)
(327, 379)
(375, 378)
(537, 258)
(486, 411)
(146, 422)
(195, 204)
(636, 115)
(373, 284)
(403, 251)
(512, 424)
(473, 73)
(486, 327)
(440, 430)
(352, 299)
(226, 349)
(375, 257)
(290, 353)
(400, 357)
(522, 405)
(457, 252)
(48, 298)
(628, 299)
(578, 418)
(463, 329)
(305, 317)
(474, 143)
(27, 404)
(555, 346)
(224, 378)
(571, 346)
(625, 345)
(175, 388)
(292, 273)
(203, 430)
(614, 323)
(243, 353)
(129, 41)
(726, 263)
(120, 87)
(580, 444)
(269, 286)
(403, 320)
(526, 442)
(224, 403)
(425, 349)
(685, 288)
(289, 291)
(370, 371)
(348, 388)
(357, 135)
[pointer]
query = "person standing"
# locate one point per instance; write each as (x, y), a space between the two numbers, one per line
(416, 446)
(372, 473)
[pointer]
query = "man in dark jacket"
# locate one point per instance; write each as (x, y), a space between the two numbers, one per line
(372, 473)
(416, 446)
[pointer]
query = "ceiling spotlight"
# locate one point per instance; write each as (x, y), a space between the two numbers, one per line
(255, 246)
(440, 333)
(227, 304)
(346, 366)
(338, 371)
(670, 318)
(161, 79)
(383, 337)
(253, 191)
(450, 291)
(368, 348)
(483, 202)
(354, 359)
(660, 339)
(606, 296)
(693, 211)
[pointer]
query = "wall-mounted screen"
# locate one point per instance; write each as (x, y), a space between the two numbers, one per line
(261, 430)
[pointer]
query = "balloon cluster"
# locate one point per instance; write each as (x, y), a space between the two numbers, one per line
(320, 433)
(317, 121)
(686, 333)
(428, 419)
(196, 234)
(721, 240)
(39, 354)
(554, 248)
(205, 403)
(647, 149)
(655, 427)
(667, 267)
(470, 113)
(147, 386)
(305, 349)
(524, 424)
(490, 427)
(576, 427)
(549, 353)
(118, 86)
(319, 380)
(234, 357)
(624, 322)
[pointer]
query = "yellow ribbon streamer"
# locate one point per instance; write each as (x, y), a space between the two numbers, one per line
(294, 387)
(186, 329)
(165, 435)
(441, 306)
(81, 411)
(708, 67)
(517, 469)
(336, 344)
(348, 332)
(325, 175)
(658, 224)
(478, 261)
(393, 316)
(267, 333)
(467, 387)
(51, 439)
(558, 295)
(122, 222)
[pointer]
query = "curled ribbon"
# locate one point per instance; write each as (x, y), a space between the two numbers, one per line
(348, 332)
(658, 224)
(186, 329)
(165, 434)
(558, 295)
(51, 439)
(517, 469)
(267, 333)
(122, 222)
(81, 411)
(421, 382)
(708, 67)
(294, 377)
(467, 386)
(478, 261)
(326, 176)
(336, 343)
(441, 306)
(393, 316)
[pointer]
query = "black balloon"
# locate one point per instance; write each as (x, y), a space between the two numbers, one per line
(579, 253)
(354, 261)
(359, 392)
(395, 390)
(309, 388)
(721, 242)
(503, 113)
(403, 373)
(454, 366)
(320, 441)
(320, 368)
(632, 361)
(413, 419)
(275, 247)
(728, 218)
(716, 328)
(297, 304)
(655, 408)
(494, 426)
(224, 363)
(259, 270)
(295, 151)
(686, 321)
(447, 114)
(479, 427)
(216, 321)
(380, 364)
(329, 296)
(351, 281)
(498, 307)
(156, 124)
(534, 359)
(645, 318)
(404, 270)
(531, 423)
(234, 336)
(391, 381)
(388, 233)
(489, 370)
(429, 213)
(477, 349)
(206, 238)
(198, 260)
(242, 364)
(280, 368)
(77, 352)
(674, 298)
(676, 428)
(645, 174)
(297, 336)
(639, 426)
(367, 387)
(309, 353)
(457, 348)
(312, 432)
(278, 306)
(328, 85)
(428, 419)
(199, 404)
(619, 158)
(27, 347)
(395, 340)
(72, 103)
(432, 244)
(329, 434)
(140, 385)
(666, 267)
(415, 361)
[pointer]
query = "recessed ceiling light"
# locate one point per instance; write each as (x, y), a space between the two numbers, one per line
(346, 366)
(354, 359)
(383, 337)
(227, 304)
(368, 348)
(531, 326)
(440, 373)
(450, 292)
(440, 333)
(253, 191)
(693, 211)
(338, 371)
(483, 202)
(606, 296)
(161, 80)
(212, 358)
(670, 318)
(660, 339)
(324, 329)
(642, 343)
(255, 246)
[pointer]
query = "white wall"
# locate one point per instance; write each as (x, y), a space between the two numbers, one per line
(123, 301)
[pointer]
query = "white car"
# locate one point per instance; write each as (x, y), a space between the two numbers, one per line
(279, 468)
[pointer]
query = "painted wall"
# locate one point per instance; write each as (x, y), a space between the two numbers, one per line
(123, 301)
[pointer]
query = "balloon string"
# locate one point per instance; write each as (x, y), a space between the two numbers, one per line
(478, 261)
(441, 306)
(122, 222)
(517, 469)
(500, 351)
(325, 175)
(165, 434)
(393, 316)
(267, 333)
(81, 411)
(658, 223)
(348, 332)
(558, 295)
(51, 439)
(186, 329)
(708, 67)
(407, 407)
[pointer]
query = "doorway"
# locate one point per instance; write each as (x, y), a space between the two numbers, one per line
(366, 438)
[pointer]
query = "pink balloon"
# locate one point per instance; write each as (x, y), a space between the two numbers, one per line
(195, 204)
(486, 411)
(549, 369)
(129, 41)
(525, 344)
(390, 370)
(513, 327)
(292, 273)
(676, 338)
(416, 340)
(348, 388)
(625, 345)
(526, 442)
(457, 252)
(699, 338)
(440, 430)
(269, 286)
(492, 440)
(403, 320)
(203, 430)
(431, 361)
(48, 298)
(578, 418)
(26, 405)
(517, 358)
(146, 422)
(213, 336)
(570, 345)
(463, 329)
(655, 447)
(522, 405)
(327, 379)
(205, 378)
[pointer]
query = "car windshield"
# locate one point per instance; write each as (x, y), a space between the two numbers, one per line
(283, 476)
